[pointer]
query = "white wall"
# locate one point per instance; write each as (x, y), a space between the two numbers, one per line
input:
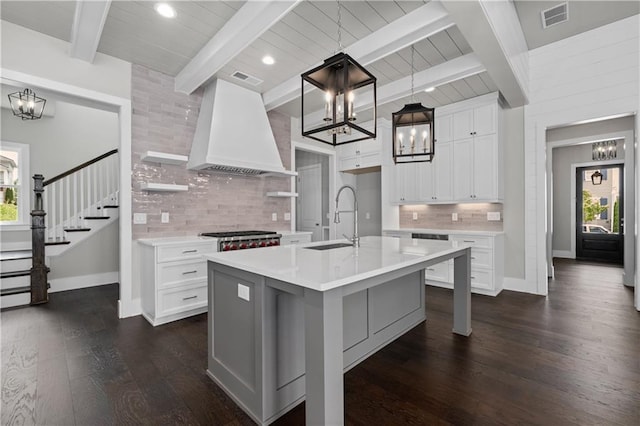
(369, 203)
(586, 77)
(37, 54)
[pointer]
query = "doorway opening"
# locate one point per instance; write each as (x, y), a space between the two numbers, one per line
(312, 186)
(600, 214)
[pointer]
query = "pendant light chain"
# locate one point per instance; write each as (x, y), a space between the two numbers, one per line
(339, 26)
(412, 53)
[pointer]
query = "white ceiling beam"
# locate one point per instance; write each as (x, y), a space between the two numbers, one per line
(418, 25)
(492, 29)
(252, 20)
(88, 22)
(438, 75)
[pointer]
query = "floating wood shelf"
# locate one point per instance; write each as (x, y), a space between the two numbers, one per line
(282, 194)
(163, 187)
(164, 158)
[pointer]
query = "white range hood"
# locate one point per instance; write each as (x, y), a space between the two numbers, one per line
(233, 133)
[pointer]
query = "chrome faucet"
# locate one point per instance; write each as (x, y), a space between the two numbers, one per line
(336, 219)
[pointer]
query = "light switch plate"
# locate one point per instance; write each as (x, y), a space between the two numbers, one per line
(415, 215)
(287, 216)
(243, 292)
(274, 217)
(139, 218)
(367, 215)
(164, 217)
(493, 215)
(454, 217)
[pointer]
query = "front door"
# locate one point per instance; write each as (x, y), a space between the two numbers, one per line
(599, 213)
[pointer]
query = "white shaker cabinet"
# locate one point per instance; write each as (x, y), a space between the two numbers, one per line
(435, 183)
(173, 278)
(477, 121)
(288, 239)
(476, 169)
(406, 183)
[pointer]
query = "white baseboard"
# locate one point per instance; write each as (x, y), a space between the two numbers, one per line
(565, 254)
(518, 284)
(83, 281)
(130, 308)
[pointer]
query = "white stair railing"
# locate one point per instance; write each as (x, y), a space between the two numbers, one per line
(81, 192)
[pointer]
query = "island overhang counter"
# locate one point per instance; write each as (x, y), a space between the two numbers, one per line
(286, 322)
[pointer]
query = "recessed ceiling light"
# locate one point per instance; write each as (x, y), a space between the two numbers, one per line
(268, 60)
(165, 10)
(429, 89)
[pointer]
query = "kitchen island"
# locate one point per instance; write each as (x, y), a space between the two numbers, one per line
(286, 322)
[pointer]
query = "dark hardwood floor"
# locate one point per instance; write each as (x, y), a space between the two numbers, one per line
(572, 358)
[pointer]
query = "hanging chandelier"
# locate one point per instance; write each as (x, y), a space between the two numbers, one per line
(338, 87)
(413, 127)
(27, 105)
(606, 150)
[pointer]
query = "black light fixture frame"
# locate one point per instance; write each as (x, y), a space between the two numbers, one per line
(27, 105)
(410, 116)
(596, 178)
(339, 74)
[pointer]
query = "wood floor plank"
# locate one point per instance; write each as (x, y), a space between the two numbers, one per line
(19, 383)
(54, 405)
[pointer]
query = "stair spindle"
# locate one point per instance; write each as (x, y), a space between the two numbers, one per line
(60, 190)
(75, 200)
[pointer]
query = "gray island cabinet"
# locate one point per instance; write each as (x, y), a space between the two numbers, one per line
(286, 322)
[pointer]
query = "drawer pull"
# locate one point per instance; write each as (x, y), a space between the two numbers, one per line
(473, 258)
(190, 297)
(294, 241)
(189, 272)
(468, 241)
(189, 251)
(430, 269)
(473, 278)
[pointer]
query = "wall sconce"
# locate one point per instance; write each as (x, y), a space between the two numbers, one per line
(596, 178)
(27, 105)
(606, 150)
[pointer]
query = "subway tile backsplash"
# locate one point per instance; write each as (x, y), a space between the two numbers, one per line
(164, 120)
(471, 216)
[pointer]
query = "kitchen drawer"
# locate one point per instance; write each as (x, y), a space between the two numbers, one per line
(180, 299)
(438, 272)
(185, 251)
(482, 278)
(474, 240)
(397, 234)
(295, 239)
(482, 257)
(173, 273)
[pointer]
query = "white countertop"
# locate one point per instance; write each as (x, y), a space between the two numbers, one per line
(445, 231)
(169, 241)
(326, 269)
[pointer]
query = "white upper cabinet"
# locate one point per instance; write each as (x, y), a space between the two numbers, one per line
(475, 175)
(406, 183)
(463, 124)
(444, 129)
(478, 121)
(442, 172)
(358, 155)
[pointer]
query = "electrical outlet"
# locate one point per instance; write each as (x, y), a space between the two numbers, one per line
(415, 215)
(164, 217)
(243, 292)
(274, 217)
(367, 215)
(493, 215)
(454, 217)
(287, 216)
(139, 218)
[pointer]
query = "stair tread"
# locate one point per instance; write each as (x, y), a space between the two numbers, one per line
(12, 274)
(96, 217)
(15, 290)
(111, 206)
(56, 242)
(15, 254)
(77, 229)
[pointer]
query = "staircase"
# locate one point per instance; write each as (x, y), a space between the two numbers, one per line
(68, 209)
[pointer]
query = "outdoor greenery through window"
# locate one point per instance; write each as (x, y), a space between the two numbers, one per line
(14, 172)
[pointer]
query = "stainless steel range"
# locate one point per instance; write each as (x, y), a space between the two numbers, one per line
(241, 240)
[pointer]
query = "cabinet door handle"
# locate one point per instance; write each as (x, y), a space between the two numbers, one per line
(473, 258)
(189, 272)
(190, 297)
(189, 251)
(473, 278)
(468, 241)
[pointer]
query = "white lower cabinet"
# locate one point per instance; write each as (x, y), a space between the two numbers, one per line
(173, 278)
(295, 238)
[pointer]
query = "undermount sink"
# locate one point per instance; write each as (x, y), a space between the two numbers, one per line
(330, 246)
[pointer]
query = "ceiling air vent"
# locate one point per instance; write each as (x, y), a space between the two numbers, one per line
(249, 79)
(555, 15)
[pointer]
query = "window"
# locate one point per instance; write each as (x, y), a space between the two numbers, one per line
(14, 184)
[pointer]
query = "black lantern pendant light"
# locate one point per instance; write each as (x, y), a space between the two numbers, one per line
(413, 127)
(27, 105)
(596, 178)
(338, 87)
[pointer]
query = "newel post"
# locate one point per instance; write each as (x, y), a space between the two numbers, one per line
(39, 270)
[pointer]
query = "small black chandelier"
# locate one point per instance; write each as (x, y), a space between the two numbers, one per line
(27, 105)
(413, 131)
(596, 178)
(606, 150)
(336, 85)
